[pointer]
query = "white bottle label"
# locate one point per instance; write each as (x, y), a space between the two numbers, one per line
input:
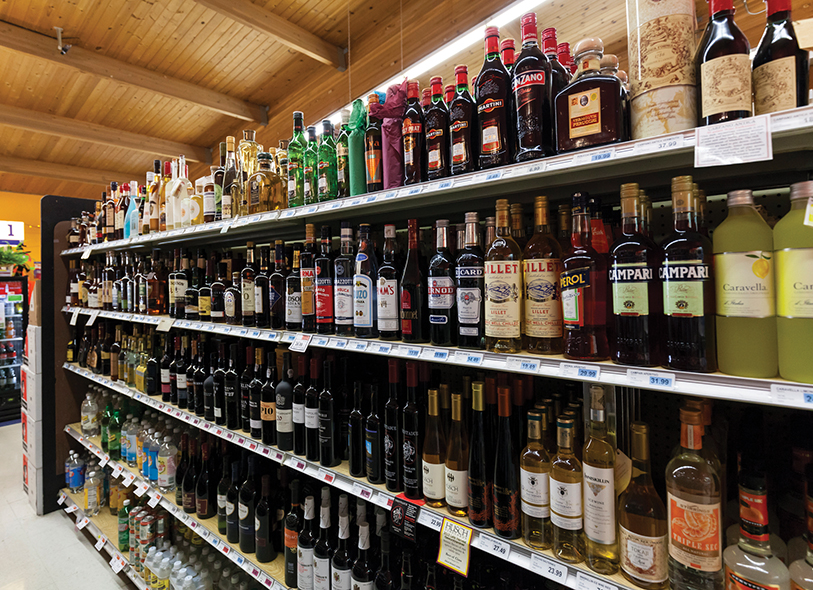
(343, 300)
(599, 504)
(248, 296)
(229, 508)
(321, 573)
(744, 284)
(304, 562)
(643, 558)
(457, 488)
(543, 304)
(312, 418)
(221, 500)
(181, 381)
(441, 293)
(363, 301)
(293, 307)
(388, 313)
(357, 585)
(433, 476)
(503, 299)
(242, 511)
(535, 493)
(341, 580)
(258, 299)
(299, 413)
(285, 421)
(566, 504)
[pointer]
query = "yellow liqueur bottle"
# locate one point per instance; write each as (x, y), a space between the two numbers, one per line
(744, 290)
(503, 285)
(534, 469)
(566, 496)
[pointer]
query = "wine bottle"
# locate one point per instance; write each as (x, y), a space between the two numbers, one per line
(436, 120)
(383, 577)
(492, 90)
(389, 322)
(219, 381)
(199, 376)
(414, 290)
(393, 453)
(566, 496)
(244, 391)
(481, 461)
(246, 508)
(324, 283)
(457, 461)
(268, 402)
(255, 394)
(262, 312)
(222, 489)
(312, 411)
(232, 500)
(506, 488)
(434, 454)
(292, 527)
(277, 293)
(285, 399)
(343, 283)
(365, 295)
(329, 455)
(262, 524)
(362, 574)
(304, 547)
(356, 435)
(166, 362)
(534, 469)
(293, 294)
(209, 389)
(204, 506)
(322, 551)
(307, 276)
(180, 470)
(298, 407)
(374, 440)
(190, 479)
(231, 391)
(411, 432)
(413, 138)
(341, 564)
(407, 575)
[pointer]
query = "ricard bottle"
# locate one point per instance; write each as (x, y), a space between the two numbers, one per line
(469, 283)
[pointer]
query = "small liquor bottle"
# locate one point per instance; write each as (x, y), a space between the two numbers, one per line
(343, 283)
(688, 288)
(413, 291)
(441, 291)
(437, 133)
(469, 286)
(493, 87)
(534, 469)
(637, 297)
(365, 295)
(589, 110)
(503, 288)
(373, 160)
(388, 312)
(541, 268)
(584, 291)
(566, 496)
(463, 126)
(412, 133)
(531, 85)
(296, 163)
(723, 69)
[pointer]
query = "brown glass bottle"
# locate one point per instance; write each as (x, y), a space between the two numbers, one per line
(781, 69)
(531, 85)
(559, 75)
(437, 133)
(373, 162)
(494, 119)
(463, 125)
(507, 48)
(723, 68)
(412, 134)
(589, 110)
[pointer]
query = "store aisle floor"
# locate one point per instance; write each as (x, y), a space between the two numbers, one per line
(45, 552)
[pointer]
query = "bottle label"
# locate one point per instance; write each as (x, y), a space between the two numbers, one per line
(321, 573)
(363, 301)
(503, 290)
(630, 283)
(535, 493)
(242, 511)
(643, 558)
(293, 306)
(341, 580)
(457, 490)
(775, 86)
(268, 411)
(794, 283)
(433, 478)
(683, 288)
(343, 300)
(408, 127)
(725, 84)
(359, 585)
(574, 295)
(248, 303)
(204, 306)
(695, 535)
(566, 504)
(754, 516)
(388, 312)
(230, 303)
(324, 300)
(166, 470)
(441, 294)
(304, 568)
(469, 304)
(744, 284)
(599, 504)
(543, 305)
(209, 202)
(298, 413)
(372, 158)
(258, 299)
(221, 501)
(181, 381)
(312, 418)
(434, 144)
(735, 581)
(491, 143)
(285, 419)
(307, 276)
(584, 113)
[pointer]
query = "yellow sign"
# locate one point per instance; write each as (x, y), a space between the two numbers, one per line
(455, 546)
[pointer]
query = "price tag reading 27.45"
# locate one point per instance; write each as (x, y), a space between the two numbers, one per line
(455, 546)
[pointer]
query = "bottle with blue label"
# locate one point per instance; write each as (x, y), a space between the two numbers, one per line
(365, 296)
(74, 472)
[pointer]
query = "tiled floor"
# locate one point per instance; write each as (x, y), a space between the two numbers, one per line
(45, 552)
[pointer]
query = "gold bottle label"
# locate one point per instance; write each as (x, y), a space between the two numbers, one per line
(667, 59)
(726, 84)
(643, 558)
(503, 304)
(584, 113)
(775, 86)
(543, 300)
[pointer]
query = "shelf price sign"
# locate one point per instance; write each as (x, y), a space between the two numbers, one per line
(455, 546)
(12, 232)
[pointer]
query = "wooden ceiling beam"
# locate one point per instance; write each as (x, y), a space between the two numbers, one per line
(45, 47)
(250, 15)
(43, 169)
(84, 131)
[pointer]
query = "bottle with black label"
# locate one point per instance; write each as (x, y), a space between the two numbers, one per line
(393, 453)
(389, 321)
(343, 283)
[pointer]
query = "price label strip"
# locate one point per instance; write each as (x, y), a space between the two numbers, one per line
(548, 568)
(474, 359)
(793, 395)
(522, 365)
(301, 343)
(585, 582)
(434, 354)
(100, 542)
(648, 379)
(494, 546)
(430, 519)
(455, 546)
(579, 371)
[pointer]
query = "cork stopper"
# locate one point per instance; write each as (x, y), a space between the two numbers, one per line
(588, 45)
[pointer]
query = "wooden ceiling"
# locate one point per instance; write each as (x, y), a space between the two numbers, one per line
(149, 79)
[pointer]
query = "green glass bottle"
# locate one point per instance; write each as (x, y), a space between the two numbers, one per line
(327, 174)
(342, 162)
(108, 412)
(114, 435)
(311, 167)
(124, 526)
(296, 164)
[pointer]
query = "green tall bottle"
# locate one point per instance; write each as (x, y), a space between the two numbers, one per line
(342, 161)
(311, 167)
(327, 173)
(114, 436)
(106, 415)
(296, 164)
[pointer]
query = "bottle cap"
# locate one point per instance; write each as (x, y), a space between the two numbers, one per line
(472, 217)
(609, 61)
(492, 32)
(739, 197)
(588, 45)
(461, 69)
(507, 44)
(691, 416)
(801, 190)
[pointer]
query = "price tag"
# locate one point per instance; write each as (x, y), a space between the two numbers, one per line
(522, 365)
(298, 464)
(273, 336)
(80, 524)
(579, 371)
(390, 195)
(93, 314)
(128, 479)
(430, 519)
(794, 119)
(311, 210)
(801, 397)
(494, 546)
(592, 157)
(455, 546)
(657, 379)
(265, 451)
(71, 508)
(411, 352)
(225, 549)
(117, 470)
(340, 343)
(734, 142)
(155, 498)
(237, 558)
(241, 440)
(434, 354)
(301, 342)
(585, 582)
(100, 541)
(474, 359)
(266, 581)
(74, 316)
(548, 568)
(408, 192)
(326, 476)
(661, 144)
(289, 337)
(229, 435)
(383, 500)
(86, 253)
(320, 341)
(496, 175)
(380, 347)
(335, 205)
(362, 491)
(250, 569)
(61, 499)
(141, 489)
(117, 563)
(358, 345)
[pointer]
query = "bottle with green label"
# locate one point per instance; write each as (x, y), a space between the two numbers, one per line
(744, 290)
(793, 255)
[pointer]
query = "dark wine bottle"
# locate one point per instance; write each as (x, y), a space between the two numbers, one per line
(180, 469)
(285, 400)
(324, 283)
(410, 434)
(407, 570)
(412, 133)
(276, 287)
(389, 321)
(362, 574)
(299, 404)
(204, 506)
(264, 513)
(199, 381)
(341, 563)
(292, 526)
(374, 440)
(436, 122)
(465, 139)
(481, 461)
(506, 497)
(232, 501)
(255, 394)
(328, 422)
(322, 551)
(469, 287)
(246, 377)
(166, 361)
(304, 546)
(190, 479)
(414, 311)
(393, 454)
(492, 88)
(343, 283)
(231, 388)
(383, 577)
(173, 371)
(181, 382)
(246, 509)
(441, 290)
(209, 412)
(312, 411)
(223, 489)
(268, 402)
(356, 435)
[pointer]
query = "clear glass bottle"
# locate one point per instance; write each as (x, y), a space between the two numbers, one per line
(457, 461)
(566, 495)
(503, 288)
(365, 295)
(534, 469)
(434, 454)
(90, 411)
(167, 458)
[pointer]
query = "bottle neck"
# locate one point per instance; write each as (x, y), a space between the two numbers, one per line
(582, 233)
(492, 47)
(631, 225)
(691, 436)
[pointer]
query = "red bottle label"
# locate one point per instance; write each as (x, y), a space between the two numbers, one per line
(324, 300)
(754, 516)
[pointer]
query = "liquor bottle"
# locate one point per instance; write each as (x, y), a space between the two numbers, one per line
(598, 471)
(293, 294)
(434, 454)
(205, 292)
(372, 148)
(205, 490)
(642, 520)
(265, 186)
(219, 386)
(492, 89)
(276, 288)
(723, 53)
(584, 291)
(311, 159)
(779, 57)
(442, 298)
(436, 124)
(156, 286)
(507, 50)
(688, 289)
(322, 551)
(637, 298)
(190, 478)
(312, 411)
(218, 302)
(503, 286)
(365, 295)
(296, 167)
(342, 155)
(559, 76)
(356, 435)
(393, 448)
(343, 283)
(231, 391)
(457, 461)
(589, 111)
(341, 562)
(304, 546)
(247, 499)
(292, 529)
(464, 138)
(414, 311)
(232, 301)
(801, 570)
(383, 577)
(374, 440)
(268, 401)
(329, 448)
(326, 174)
(262, 312)
(531, 85)
(388, 312)
(255, 393)
(284, 408)
(413, 137)
(248, 276)
(534, 469)
(181, 366)
(324, 283)
(298, 405)
(566, 496)
(232, 183)
(109, 207)
(469, 283)
(744, 290)
(222, 489)
(410, 435)
(166, 361)
(693, 495)
(264, 514)
(481, 461)
(506, 483)
(541, 269)
(307, 279)
(362, 575)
